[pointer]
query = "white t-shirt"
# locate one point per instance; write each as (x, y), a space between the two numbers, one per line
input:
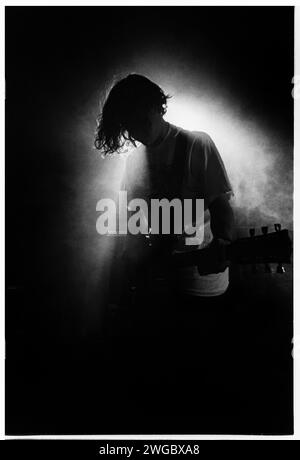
(204, 177)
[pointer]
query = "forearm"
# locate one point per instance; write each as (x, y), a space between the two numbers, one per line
(222, 227)
(222, 219)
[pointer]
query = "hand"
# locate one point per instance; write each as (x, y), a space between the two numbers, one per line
(217, 261)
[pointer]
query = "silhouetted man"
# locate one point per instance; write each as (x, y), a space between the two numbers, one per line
(170, 162)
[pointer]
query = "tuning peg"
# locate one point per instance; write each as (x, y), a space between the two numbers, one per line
(264, 230)
(280, 268)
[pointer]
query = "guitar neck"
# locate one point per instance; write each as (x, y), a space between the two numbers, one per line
(272, 248)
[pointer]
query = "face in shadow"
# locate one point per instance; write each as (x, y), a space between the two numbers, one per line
(145, 127)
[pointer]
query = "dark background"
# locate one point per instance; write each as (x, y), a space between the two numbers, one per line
(58, 62)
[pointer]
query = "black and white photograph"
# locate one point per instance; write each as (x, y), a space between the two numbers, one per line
(149, 155)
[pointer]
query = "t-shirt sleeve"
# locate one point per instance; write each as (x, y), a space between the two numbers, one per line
(208, 171)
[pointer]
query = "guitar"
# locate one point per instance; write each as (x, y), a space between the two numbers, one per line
(275, 247)
(267, 248)
(147, 251)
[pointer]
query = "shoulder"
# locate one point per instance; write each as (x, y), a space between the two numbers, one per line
(198, 140)
(205, 160)
(201, 138)
(202, 148)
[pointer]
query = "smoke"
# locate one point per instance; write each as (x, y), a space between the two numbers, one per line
(258, 162)
(258, 157)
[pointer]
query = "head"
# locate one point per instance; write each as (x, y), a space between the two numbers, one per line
(133, 111)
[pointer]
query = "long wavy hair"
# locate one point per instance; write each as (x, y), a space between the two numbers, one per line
(127, 99)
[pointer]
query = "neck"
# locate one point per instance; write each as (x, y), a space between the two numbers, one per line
(164, 128)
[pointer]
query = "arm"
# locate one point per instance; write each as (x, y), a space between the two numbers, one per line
(222, 227)
(222, 218)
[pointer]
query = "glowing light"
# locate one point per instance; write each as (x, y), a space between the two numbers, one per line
(251, 155)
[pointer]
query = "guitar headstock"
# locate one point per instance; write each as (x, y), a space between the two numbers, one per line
(264, 248)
